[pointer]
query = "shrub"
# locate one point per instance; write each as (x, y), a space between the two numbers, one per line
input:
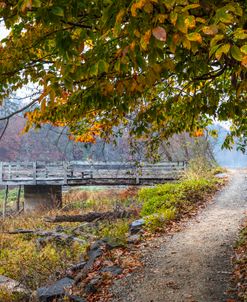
(199, 167)
(176, 195)
(156, 221)
(117, 231)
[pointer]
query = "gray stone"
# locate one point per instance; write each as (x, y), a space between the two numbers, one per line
(57, 289)
(92, 286)
(78, 266)
(136, 226)
(96, 250)
(12, 285)
(133, 239)
(114, 269)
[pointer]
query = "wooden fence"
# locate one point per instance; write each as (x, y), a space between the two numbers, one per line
(88, 173)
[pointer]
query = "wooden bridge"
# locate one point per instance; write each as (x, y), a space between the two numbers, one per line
(85, 173)
(43, 181)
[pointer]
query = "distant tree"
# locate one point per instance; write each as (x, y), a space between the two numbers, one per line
(159, 66)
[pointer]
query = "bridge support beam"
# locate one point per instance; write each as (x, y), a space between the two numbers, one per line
(42, 197)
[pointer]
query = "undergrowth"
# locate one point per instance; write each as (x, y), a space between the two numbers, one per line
(165, 202)
(240, 264)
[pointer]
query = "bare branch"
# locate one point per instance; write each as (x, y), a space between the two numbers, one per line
(5, 127)
(19, 111)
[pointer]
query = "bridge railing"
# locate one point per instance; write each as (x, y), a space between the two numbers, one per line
(79, 172)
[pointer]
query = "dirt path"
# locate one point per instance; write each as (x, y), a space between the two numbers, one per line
(195, 263)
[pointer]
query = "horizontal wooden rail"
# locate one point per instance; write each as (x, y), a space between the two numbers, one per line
(88, 173)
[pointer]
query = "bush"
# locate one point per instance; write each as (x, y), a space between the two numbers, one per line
(33, 266)
(117, 231)
(156, 221)
(174, 196)
(199, 167)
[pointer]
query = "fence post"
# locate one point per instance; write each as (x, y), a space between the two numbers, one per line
(1, 172)
(65, 166)
(34, 172)
(5, 201)
(18, 199)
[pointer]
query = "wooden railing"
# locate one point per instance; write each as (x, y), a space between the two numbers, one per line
(88, 173)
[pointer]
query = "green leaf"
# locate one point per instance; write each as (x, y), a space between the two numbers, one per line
(173, 17)
(196, 37)
(214, 49)
(190, 6)
(94, 70)
(181, 24)
(223, 49)
(117, 66)
(236, 53)
(216, 39)
(58, 11)
(103, 66)
(244, 49)
(240, 34)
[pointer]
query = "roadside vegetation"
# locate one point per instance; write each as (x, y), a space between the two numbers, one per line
(35, 260)
(240, 264)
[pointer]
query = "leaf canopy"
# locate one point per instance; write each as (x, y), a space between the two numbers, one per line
(158, 67)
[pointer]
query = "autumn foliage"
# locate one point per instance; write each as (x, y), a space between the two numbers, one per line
(158, 67)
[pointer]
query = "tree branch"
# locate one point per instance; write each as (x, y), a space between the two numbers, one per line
(19, 111)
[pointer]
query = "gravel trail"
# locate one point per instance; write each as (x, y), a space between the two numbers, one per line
(193, 265)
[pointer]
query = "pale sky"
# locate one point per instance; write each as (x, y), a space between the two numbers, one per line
(3, 31)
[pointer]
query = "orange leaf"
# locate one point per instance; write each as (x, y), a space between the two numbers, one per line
(244, 62)
(198, 133)
(159, 33)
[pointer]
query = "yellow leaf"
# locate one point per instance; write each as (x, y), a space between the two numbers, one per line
(43, 105)
(137, 33)
(244, 49)
(195, 37)
(190, 21)
(148, 8)
(173, 17)
(201, 20)
(161, 18)
(186, 43)
(223, 49)
(190, 6)
(145, 39)
(120, 15)
(210, 30)
(137, 5)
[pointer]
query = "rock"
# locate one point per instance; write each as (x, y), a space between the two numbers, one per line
(133, 239)
(136, 226)
(114, 269)
(96, 250)
(91, 287)
(12, 285)
(57, 289)
(77, 266)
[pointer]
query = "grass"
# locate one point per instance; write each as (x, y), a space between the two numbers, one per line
(165, 202)
(23, 259)
(12, 197)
